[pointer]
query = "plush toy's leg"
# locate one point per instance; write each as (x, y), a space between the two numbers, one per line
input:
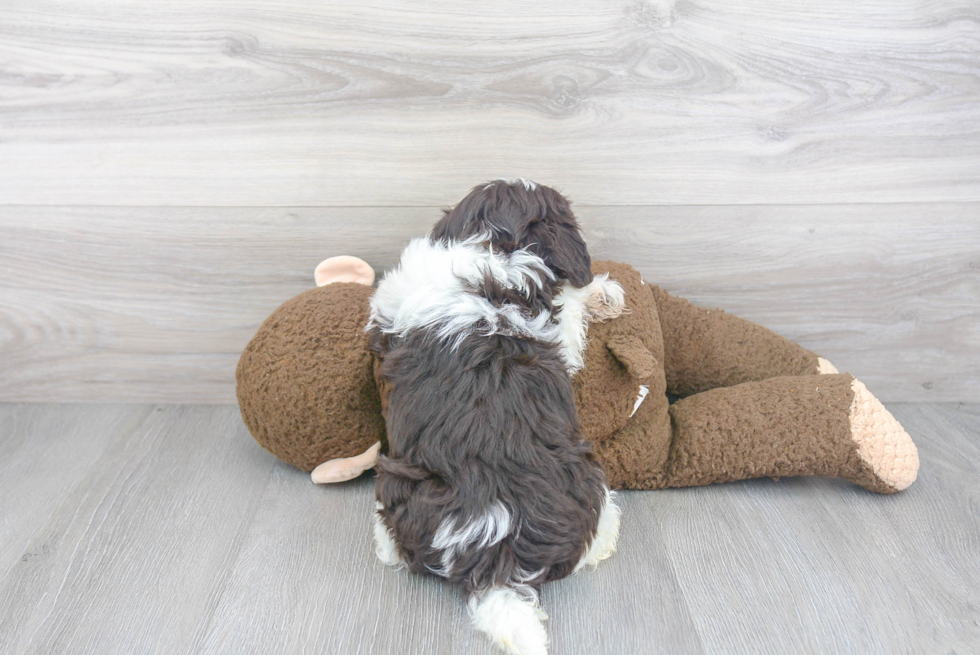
(346, 468)
(707, 348)
(827, 425)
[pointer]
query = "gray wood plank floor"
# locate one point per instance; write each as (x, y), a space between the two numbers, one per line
(166, 529)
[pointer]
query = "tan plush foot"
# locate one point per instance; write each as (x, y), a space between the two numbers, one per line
(825, 368)
(346, 468)
(883, 444)
(343, 269)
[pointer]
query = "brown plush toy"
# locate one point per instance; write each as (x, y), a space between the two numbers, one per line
(753, 404)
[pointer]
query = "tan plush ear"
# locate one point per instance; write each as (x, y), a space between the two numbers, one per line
(636, 357)
(343, 269)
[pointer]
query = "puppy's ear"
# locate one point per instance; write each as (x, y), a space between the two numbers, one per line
(568, 257)
(466, 219)
(557, 239)
(448, 226)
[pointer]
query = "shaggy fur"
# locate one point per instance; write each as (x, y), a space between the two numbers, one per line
(521, 214)
(487, 481)
(457, 288)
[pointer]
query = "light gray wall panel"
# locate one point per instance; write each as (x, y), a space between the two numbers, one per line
(301, 102)
(156, 304)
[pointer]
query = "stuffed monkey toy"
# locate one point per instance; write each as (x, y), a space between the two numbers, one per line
(751, 403)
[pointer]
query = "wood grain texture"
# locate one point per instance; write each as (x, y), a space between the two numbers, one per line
(889, 293)
(831, 568)
(308, 582)
(262, 102)
(175, 538)
(156, 304)
(45, 454)
(135, 557)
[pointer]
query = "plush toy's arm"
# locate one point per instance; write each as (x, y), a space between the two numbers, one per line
(346, 468)
(707, 348)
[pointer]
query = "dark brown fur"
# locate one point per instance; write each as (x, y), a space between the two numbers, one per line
(539, 219)
(493, 419)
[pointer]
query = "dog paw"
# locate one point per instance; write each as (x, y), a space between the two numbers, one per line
(606, 536)
(384, 543)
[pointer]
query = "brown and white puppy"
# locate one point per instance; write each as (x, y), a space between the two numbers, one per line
(487, 481)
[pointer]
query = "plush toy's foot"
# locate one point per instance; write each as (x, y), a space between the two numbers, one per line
(343, 269)
(882, 443)
(346, 468)
(825, 368)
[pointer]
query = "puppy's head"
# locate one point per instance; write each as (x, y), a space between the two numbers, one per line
(521, 214)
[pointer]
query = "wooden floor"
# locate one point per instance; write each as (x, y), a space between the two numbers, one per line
(166, 529)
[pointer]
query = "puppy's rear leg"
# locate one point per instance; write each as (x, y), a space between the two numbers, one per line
(511, 620)
(384, 542)
(606, 536)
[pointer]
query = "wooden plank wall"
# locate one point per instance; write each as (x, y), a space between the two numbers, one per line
(170, 173)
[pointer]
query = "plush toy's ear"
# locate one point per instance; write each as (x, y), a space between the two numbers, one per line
(343, 269)
(632, 354)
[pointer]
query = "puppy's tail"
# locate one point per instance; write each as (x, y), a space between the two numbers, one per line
(512, 618)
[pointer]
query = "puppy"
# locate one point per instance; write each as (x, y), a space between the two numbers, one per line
(487, 481)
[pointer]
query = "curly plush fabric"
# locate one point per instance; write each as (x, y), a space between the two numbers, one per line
(305, 382)
(753, 404)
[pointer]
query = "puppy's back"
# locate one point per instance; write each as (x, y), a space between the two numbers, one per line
(487, 481)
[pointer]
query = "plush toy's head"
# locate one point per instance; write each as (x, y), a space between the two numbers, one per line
(305, 382)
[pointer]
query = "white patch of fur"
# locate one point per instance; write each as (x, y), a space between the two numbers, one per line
(528, 184)
(384, 543)
(606, 536)
(512, 621)
(600, 300)
(644, 390)
(483, 532)
(428, 288)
